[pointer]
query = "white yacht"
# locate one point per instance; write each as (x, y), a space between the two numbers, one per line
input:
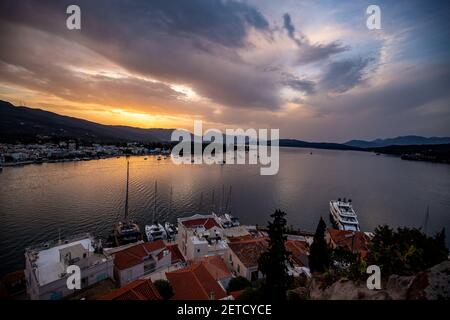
(155, 232)
(227, 220)
(171, 230)
(343, 215)
(233, 220)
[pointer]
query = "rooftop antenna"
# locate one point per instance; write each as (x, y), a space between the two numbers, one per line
(154, 204)
(126, 195)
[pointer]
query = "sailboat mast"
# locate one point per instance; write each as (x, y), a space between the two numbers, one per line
(154, 205)
(200, 205)
(222, 203)
(228, 205)
(212, 200)
(427, 216)
(126, 195)
(170, 201)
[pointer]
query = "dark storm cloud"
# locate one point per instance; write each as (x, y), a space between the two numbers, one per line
(308, 52)
(412, 92)
(341, 76)
(186, 42)
(302, 85)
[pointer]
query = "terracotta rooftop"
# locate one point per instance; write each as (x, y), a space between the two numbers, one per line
(194, 283)
(142, 289)
(240, 238)
(216, 267)
(249, 251)
(355, 241)
(299, 251)
(135, 255)
(208, 223)
(175, 254)
(236, 294)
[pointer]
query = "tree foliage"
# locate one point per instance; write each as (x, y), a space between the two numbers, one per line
(273, 262)
(406, 251)
(319, 255)
(164, 288)
(238, 283)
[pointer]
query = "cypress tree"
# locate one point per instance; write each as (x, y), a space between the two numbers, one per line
(273, 262)
(319, 256)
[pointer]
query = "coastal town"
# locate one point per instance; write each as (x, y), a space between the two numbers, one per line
(71, 150)
(198, 263)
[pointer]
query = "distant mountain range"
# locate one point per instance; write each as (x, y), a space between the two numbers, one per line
(399, 141)
(315, 145)
(24, 124)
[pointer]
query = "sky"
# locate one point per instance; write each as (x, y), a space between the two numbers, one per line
(309, 68)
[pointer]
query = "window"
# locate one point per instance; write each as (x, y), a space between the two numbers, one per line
(198, 250)
(239, 268)
(129, 275)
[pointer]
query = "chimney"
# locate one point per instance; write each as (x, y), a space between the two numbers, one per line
(212, 295)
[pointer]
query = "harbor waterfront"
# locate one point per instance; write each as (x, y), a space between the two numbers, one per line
(51, 200)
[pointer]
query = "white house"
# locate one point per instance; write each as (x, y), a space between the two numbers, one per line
(46, 267)
(139, 260)
(199, 236)
(242, 257)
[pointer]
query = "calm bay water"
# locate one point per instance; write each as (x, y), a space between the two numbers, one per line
(37, 202)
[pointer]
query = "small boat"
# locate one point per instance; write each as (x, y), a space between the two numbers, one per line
(224, 222)
(227, 220)
(125, 231)
(158, 158)
(155, 232)
(145, 158)
(234, 220)
(343, 216)
(171, 230)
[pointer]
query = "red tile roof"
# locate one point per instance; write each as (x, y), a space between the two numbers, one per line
(176, 255)
(249, 251)
(216, 267)
(155, 245)
(135, 255)
(142, 289)
(355, 241)
(299, 250)
(240, 238)
(208, 223)
(236, 294)
(194, 283)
